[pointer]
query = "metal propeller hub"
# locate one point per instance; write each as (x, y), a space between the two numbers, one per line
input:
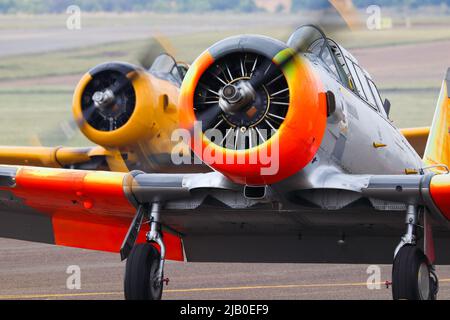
(103, 99)
(235, 97)
(231, 94)
(249, 109)
(108, 100)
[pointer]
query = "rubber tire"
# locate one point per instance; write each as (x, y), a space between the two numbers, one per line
(142, 262)
(434, 287)
(405, 271)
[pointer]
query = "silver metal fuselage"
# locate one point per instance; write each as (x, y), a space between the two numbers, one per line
(359, 139)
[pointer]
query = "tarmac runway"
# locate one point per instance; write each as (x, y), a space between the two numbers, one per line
(36, 271)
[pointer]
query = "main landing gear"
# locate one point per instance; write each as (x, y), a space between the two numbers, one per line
(413, 273)
(144, 271)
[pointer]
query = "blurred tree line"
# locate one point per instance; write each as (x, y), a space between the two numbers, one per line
(58, 6)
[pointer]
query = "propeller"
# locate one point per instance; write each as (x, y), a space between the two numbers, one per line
(67, 129)
(265, 73)
(153, 48)
(299, 43)
(106, 98)
(260, 75)
(208, 116)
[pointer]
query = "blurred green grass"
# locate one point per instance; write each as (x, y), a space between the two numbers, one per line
(27, 113)
(413, 109)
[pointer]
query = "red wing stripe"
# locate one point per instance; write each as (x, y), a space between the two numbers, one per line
(88, 209)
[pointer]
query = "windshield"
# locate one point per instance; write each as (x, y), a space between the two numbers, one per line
(311, 39)
(165, 67)
(163, 63)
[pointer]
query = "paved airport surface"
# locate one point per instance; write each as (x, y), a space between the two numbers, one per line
(36, 271)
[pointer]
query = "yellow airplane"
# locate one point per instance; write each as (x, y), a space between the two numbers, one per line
(134, 134)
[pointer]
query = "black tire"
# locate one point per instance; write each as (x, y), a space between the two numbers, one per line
(411, 277)
(434, 286)
(140, 274)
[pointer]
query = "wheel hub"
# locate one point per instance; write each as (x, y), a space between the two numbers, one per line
(424, 281)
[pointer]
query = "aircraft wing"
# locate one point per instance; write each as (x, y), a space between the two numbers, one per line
(208, 218)
(55, 157)
(74, 208)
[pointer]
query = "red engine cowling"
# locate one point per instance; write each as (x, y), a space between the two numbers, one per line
(274, 136)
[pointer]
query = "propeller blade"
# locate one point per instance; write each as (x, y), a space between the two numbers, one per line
(87, 114)
(265, 73)
(152, 50)
(208, 116)
(116, 88)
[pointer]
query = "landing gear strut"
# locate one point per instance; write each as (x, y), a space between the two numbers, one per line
(144, 270)
(413, 275)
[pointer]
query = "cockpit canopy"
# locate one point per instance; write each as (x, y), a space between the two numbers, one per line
(339, 63)
(167, 68)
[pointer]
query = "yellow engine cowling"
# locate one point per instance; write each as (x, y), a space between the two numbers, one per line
(147, 110)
